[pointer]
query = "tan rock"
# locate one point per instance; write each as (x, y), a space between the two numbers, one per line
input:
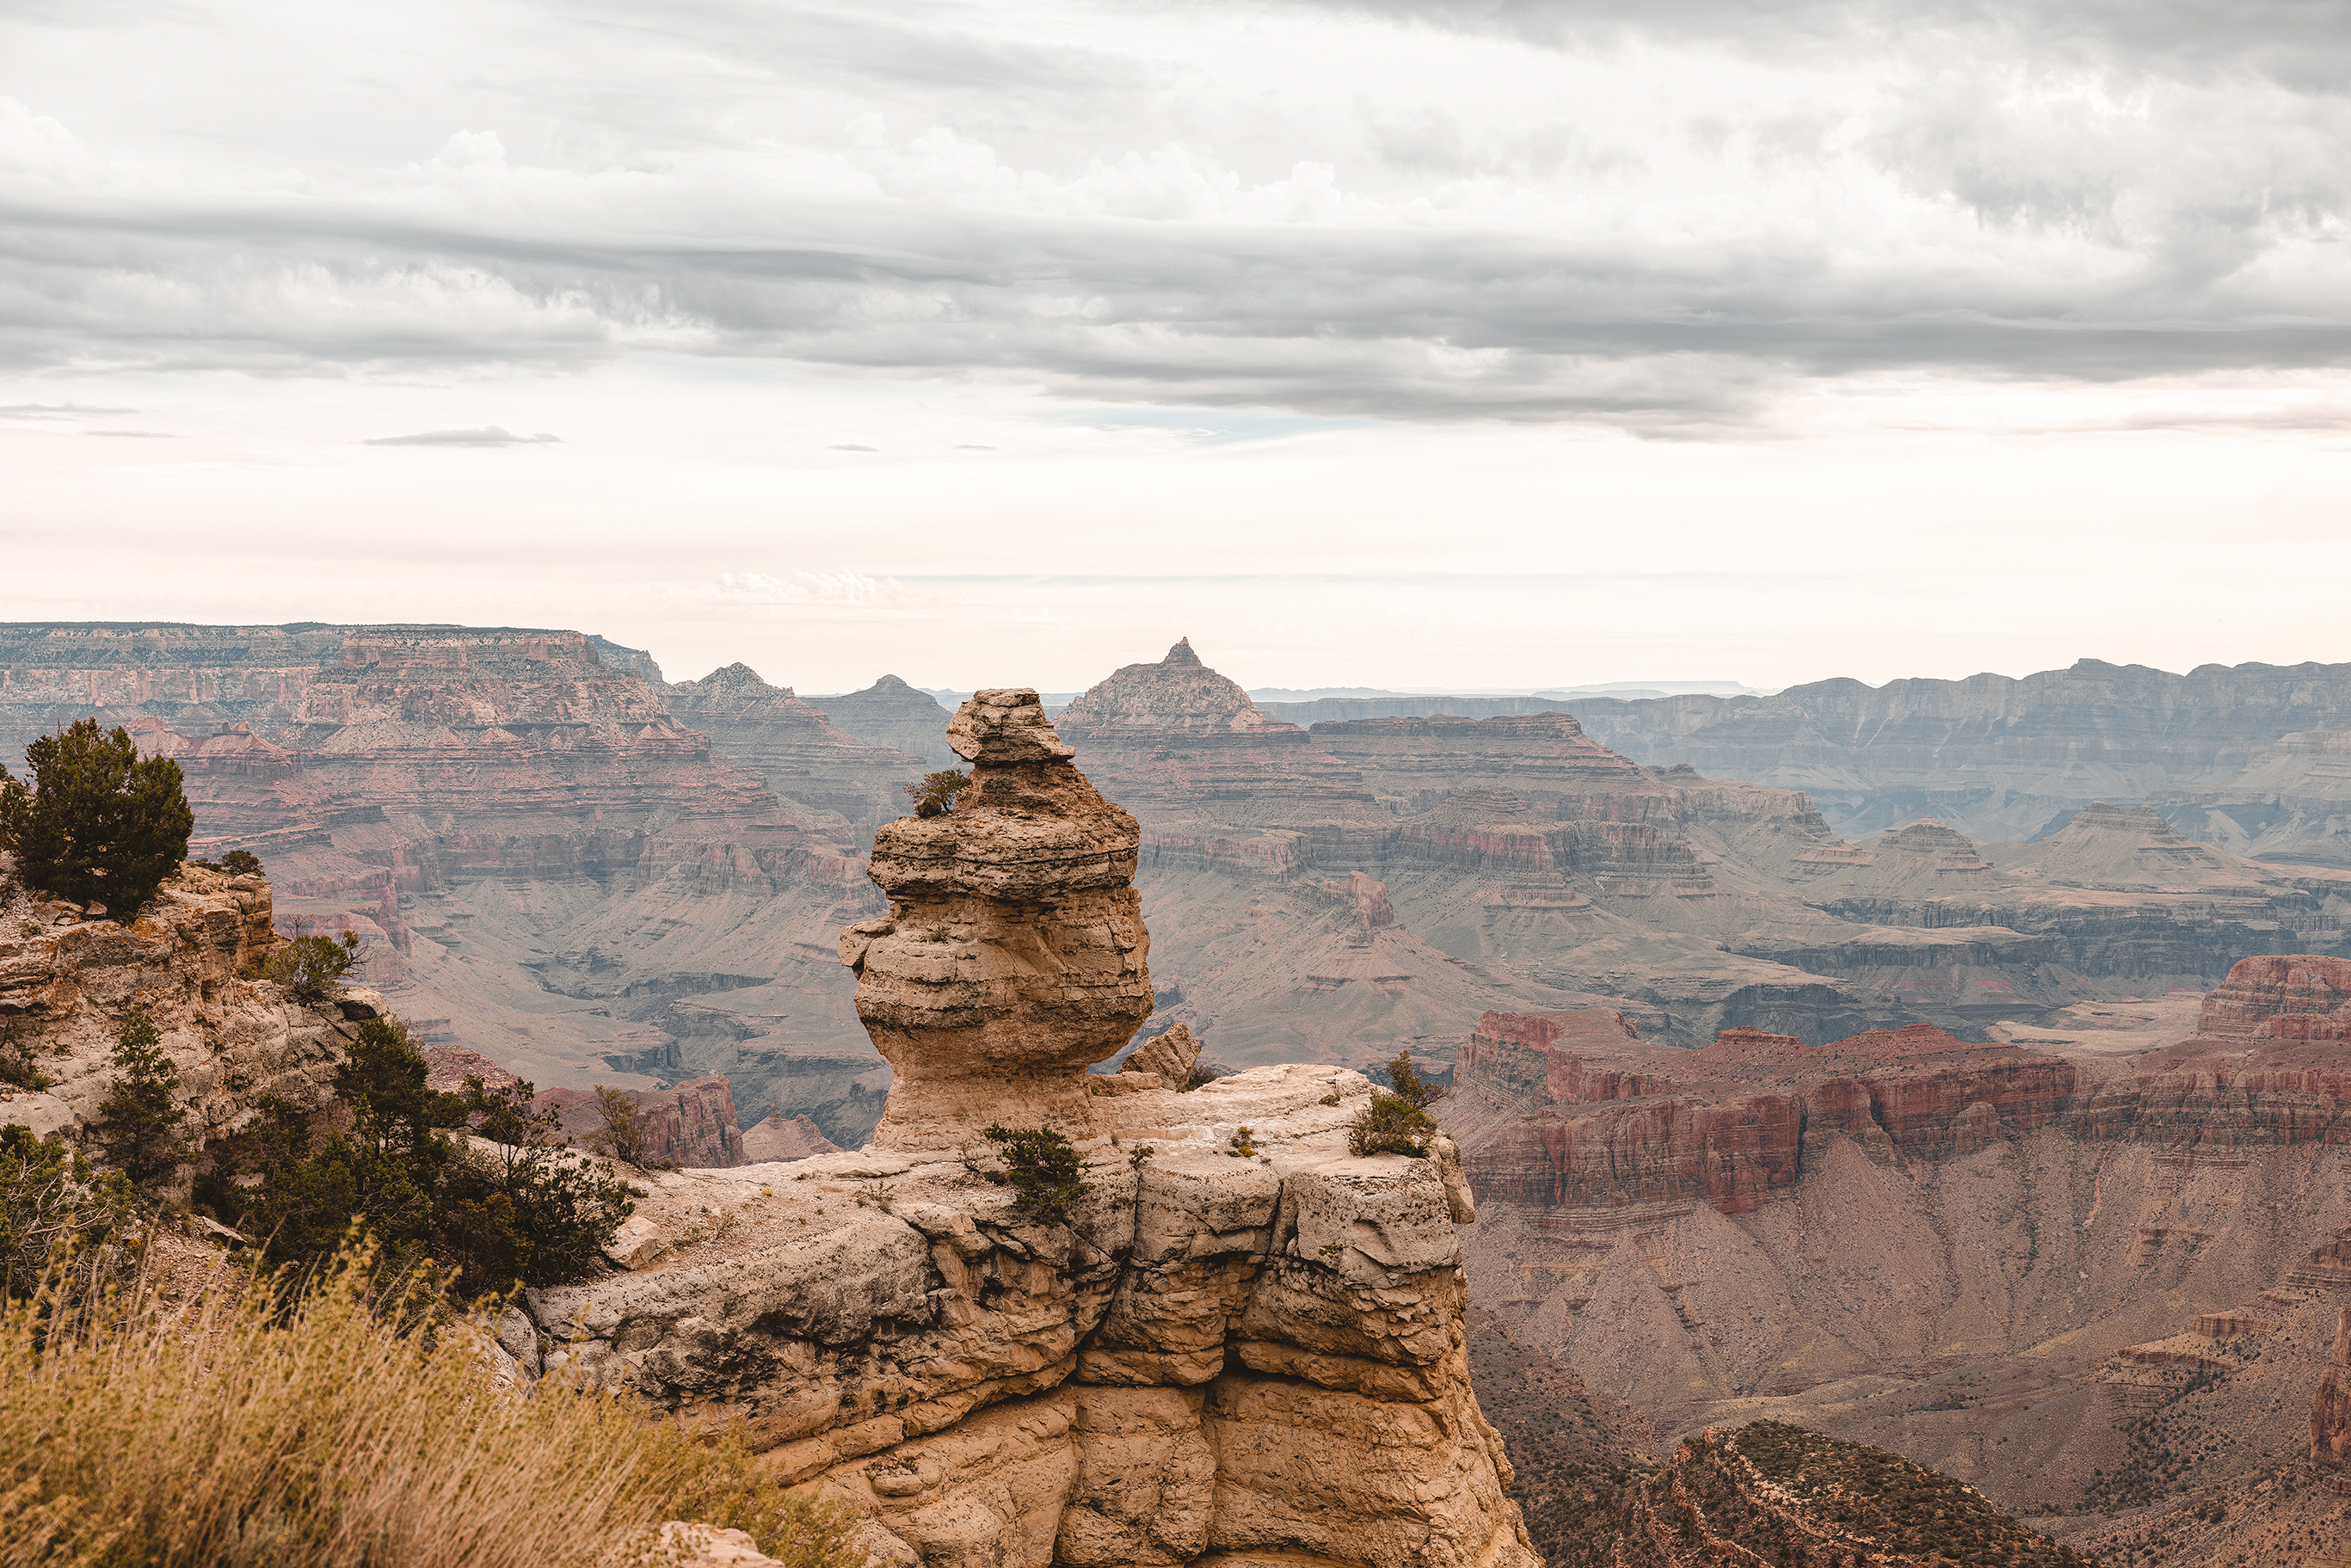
(1014, 953)
(1170, 1056)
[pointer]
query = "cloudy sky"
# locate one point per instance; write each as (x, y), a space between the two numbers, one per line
(1496, 342)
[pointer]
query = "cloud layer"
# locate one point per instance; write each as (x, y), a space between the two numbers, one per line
(1483, 210)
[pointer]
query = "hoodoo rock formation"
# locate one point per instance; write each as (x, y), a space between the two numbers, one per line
(1229, 1341)
(1014, 953)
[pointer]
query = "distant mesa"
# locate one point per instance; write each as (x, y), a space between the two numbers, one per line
(891, 713)
(1179, 693)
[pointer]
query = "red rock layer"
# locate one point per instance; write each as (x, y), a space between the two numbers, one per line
(1610, 1119)
(690, 1124)
(2264, 989)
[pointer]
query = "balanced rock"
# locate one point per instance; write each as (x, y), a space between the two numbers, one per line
(1014, 953)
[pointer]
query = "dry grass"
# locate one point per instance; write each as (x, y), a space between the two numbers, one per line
(227, 1431)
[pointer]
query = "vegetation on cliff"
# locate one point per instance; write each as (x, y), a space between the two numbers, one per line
(353, 1426)
(100, 823)
(476, 1181)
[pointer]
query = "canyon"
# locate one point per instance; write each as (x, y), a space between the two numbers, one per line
(1218, 1337)
(2087, 1284)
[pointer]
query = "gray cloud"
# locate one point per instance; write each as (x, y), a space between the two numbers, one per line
(135, 434)
(851, 446)
(488, 435)
(2202, 222)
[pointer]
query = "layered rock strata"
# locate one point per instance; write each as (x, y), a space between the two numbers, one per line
(891, 713)
(793, 747)
(1237, 1342)
(689, 1123)
(1014, 953)
(2330, 1409)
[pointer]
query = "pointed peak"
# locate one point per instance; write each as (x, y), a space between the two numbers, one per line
(1181, 654)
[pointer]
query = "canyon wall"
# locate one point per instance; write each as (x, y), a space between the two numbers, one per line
(1994, 1260)
(1998, 758)
(1221, 1337)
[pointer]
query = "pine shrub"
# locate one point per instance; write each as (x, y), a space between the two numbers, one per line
(100, 824)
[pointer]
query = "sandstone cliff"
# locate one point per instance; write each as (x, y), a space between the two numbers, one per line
(2330, 1409)
(67, 983)
(689, 1123)
(1242, 1343)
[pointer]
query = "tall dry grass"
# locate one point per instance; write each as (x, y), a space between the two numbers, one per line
(231, 1431)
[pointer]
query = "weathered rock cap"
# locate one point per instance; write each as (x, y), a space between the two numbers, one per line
(1005, 726)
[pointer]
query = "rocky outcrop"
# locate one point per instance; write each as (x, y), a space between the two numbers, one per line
(2261, 994)
(514, 827)
(1013, 954)
(891, 713)
(691, 1123)
(1172, 736)
(792, 746)
(2330, 1410)
(776, 1139)
(190, 961)
(1219, 1353)
(1226, 1339)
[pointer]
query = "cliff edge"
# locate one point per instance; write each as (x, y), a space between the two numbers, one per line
(1241, 1343)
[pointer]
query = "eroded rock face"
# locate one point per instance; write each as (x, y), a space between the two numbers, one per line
(1220, 1354)
(67, 983)
(690, 1124)
(2261, 993)
(2330, 1412)
(793, 745)
(1014, 953)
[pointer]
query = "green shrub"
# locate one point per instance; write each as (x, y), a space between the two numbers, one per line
(621, 1129)
(241, 862)
(525, 1210)
(1043, 1170)
(1391, 1127)
(99, 824)
(139, 1120)
(17, 1068)
(1410, 1086)
(343, 1426)
(313, 968)
(935, 793)
(58, 1213)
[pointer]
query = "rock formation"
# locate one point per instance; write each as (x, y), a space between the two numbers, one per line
(190, 959)
(1242, 1343)
(891, 713)
(774, 1137)
(2330, 1410)
(1013, 953)
(689, 1123)
(792, 746)
(2261, 995)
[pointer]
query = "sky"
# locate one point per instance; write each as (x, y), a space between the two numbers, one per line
(1392, 344)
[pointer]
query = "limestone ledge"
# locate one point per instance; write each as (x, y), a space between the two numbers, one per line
(1224, 1355)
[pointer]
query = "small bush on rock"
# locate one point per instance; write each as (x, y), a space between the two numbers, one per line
(525, 1210)
(621, 1129)
(935, 793)
(100, 824)
(241, 862)
(1397, 1121)
(1043, 1170)
(17, 1069)
(313, 968)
